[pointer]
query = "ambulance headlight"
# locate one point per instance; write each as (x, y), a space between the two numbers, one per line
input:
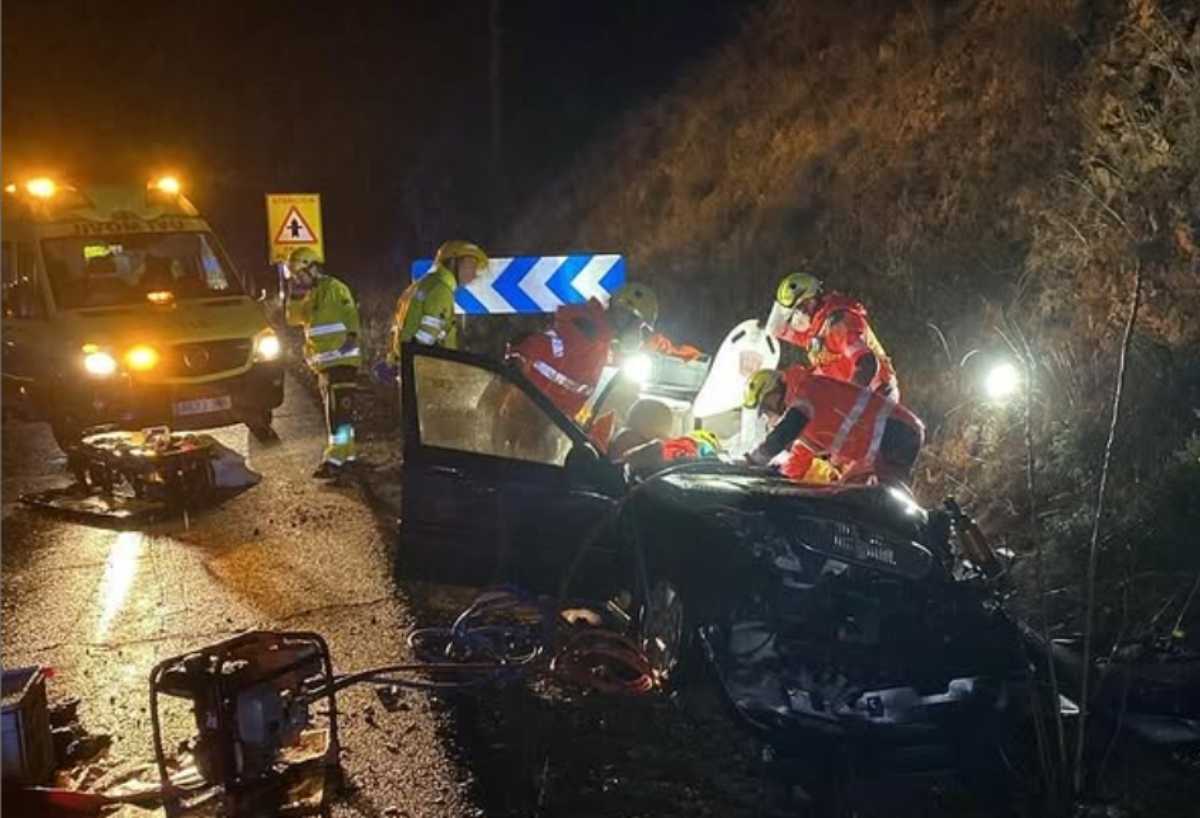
(267, 347)
(638, 368)
(98, 363)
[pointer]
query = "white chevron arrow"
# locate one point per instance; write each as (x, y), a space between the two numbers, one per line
(481, 287)
(588, 279)
(534, 282)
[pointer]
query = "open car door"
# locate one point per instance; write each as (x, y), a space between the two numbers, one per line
(498, 486)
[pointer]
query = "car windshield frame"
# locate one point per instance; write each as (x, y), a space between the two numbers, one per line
(212, 275)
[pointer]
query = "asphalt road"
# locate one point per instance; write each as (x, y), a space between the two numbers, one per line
(102, 607)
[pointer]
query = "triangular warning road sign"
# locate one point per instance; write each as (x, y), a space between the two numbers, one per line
(295, 230)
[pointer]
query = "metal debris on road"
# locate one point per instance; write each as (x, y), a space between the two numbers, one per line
(128, 478)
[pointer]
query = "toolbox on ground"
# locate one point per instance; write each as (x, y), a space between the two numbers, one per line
(27, 752)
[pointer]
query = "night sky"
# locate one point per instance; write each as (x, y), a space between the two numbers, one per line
(383, 108)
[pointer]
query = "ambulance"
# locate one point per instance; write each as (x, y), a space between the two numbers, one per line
(122, 310)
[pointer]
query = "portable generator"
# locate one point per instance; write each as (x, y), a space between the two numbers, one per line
(257, 748)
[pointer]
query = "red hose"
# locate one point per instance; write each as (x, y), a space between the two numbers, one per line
(604, 661)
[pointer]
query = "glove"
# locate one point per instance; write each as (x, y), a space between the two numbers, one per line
(384, 373)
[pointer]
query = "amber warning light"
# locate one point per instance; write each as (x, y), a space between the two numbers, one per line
(166, 184)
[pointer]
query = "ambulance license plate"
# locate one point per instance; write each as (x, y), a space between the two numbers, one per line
(202, 406)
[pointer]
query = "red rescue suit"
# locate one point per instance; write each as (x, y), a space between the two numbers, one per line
(841, 345)
(565, 362)
(856, 429)
(665, 346)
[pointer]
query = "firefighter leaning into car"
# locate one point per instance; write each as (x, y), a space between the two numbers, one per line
(860, 432)
(325, 308)
(833, 329)
(425, 310)
(565, 361)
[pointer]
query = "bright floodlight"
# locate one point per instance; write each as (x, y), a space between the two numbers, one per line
(638, 368)
(1003, 381)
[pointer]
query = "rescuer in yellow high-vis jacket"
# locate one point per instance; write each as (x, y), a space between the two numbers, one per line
(325, 307)
(425, 311)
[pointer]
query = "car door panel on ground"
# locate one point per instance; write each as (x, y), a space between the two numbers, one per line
(488, 493)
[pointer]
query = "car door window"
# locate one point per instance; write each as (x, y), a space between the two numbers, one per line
(21, 296)
(468, 408)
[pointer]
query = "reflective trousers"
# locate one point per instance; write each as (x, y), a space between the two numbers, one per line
(338, 384)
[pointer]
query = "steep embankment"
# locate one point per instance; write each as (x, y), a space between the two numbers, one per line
(985, 174)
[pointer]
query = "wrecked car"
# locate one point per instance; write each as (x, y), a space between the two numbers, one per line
(842, 624)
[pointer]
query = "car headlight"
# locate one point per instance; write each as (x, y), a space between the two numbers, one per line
(267, 347)
(99, 363)
(141, 358)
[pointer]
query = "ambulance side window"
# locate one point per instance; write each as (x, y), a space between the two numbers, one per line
(22, 297)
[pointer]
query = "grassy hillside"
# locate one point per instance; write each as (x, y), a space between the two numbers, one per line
(987, 175)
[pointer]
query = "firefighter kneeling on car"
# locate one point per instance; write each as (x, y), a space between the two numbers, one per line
(861, 434)
(325, 308)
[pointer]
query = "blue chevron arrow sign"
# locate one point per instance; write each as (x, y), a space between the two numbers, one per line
(536, 284)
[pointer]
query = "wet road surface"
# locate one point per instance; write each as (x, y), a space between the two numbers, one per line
(102, 607)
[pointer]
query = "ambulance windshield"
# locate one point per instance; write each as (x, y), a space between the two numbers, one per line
(124, 269)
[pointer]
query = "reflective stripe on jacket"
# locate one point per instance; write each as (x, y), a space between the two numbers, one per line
(425, 313)
(565, 362)
(845, 422)
(328, 315)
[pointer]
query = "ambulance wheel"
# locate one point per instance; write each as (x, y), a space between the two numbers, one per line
(260, 426)
(66, 433)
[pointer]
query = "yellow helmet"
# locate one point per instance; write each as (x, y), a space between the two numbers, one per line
(706, 437)
(797, 288)
(761, 383)
(302, 258)
(456, 249)
(639, 300)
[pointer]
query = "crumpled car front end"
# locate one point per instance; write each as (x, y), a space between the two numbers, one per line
(841, 621)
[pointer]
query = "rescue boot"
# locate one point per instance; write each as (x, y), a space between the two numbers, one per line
(327, 471)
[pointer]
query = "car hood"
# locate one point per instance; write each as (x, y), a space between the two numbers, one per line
(713, 486)
(192, 321)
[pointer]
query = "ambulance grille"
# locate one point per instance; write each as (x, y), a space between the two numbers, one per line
(206, 358)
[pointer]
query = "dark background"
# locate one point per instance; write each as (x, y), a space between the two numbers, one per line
(382, 108)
